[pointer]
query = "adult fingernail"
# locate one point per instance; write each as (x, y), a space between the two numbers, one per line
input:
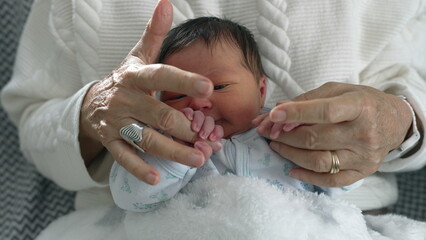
(202, 86)
(278, 115)
(151, 178)
(196, 160)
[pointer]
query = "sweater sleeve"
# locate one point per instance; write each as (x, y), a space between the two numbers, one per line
(44, 96)
(399, 69)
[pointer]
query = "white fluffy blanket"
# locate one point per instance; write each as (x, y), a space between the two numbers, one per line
(230, 207)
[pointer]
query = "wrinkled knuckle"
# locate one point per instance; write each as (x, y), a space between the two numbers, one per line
(129, 73)
(157, 70)
(371, 162)
(369, 107)
(372, 140)
(329, 85)
(310, 139)
(329, 113)
(333, 181)
(148, 140)
(376, 161)
(121, 156)
(321, 163)
(102, 132)
(117, 99)
(168, 119)
(172, 155)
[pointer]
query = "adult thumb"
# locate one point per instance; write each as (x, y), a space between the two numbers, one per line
(148, 47)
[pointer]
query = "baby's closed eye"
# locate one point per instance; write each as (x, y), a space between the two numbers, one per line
(220, 86)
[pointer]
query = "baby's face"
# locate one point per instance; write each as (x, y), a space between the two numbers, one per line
(237, 96)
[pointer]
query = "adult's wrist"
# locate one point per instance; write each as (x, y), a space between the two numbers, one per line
(90, 147)
(412, 137)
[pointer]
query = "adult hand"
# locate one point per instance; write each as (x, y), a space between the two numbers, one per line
(127, 96)
(359, 123)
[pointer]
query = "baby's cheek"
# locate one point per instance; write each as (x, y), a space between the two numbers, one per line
(177, 105)
(243, 121)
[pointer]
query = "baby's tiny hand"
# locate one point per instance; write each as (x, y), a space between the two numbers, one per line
(264, 123)
(205, 127)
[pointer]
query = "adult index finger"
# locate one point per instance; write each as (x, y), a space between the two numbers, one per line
(345, 107)
(161, 77)
(161, 116)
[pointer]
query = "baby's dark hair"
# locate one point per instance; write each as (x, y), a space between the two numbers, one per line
(211, 30)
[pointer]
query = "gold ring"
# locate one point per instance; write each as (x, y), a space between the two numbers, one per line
(335, 163)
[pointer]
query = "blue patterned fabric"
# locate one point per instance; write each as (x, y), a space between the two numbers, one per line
(29, 202)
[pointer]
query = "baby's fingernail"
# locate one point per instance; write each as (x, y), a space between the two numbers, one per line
(195, 127)
(212, 137)
(189, 116)
(196, 160)
(278, 115)
(203, 135)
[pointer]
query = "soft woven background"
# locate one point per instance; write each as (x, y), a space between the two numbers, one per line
(29, 202)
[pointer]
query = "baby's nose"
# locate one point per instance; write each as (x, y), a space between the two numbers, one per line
(200, 104)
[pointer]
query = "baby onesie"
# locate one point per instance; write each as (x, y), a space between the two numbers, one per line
(247, 155)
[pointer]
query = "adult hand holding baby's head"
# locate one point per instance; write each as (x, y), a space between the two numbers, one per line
(126, 96)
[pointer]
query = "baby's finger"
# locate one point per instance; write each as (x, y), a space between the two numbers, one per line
(198, 121)
(264, 126)
(207, 128)
(259, 119)
(204, 148)
(290, 126)
(276, 130)
(216, 146)
(216, 134)
(188, 112)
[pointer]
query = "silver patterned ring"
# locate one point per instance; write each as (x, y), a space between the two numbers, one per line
(133, 134)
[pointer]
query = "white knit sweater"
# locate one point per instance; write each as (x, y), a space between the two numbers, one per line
(67, 45)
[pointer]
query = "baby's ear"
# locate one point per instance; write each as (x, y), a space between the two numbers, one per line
(262, 88)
